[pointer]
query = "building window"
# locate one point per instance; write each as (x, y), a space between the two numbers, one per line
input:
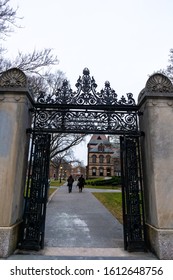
(101, 172)
(94, 159)
(108, 172)
(108, 159)
(101, 148)
(101, 159)
(93, 171)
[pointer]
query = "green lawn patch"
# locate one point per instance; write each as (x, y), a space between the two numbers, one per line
(51, 191)
(56, 183)
(103, 187)
(113, 202)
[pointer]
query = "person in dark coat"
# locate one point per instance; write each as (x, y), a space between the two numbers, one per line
(81, 183)
(70, 181)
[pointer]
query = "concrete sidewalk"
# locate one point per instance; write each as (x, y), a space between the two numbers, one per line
(78, 226)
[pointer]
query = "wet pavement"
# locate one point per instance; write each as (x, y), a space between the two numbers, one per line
(78, 226)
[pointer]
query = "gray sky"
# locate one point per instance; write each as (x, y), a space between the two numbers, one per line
(122, 41)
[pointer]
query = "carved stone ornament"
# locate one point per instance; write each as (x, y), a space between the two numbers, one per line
(13, 78)
(159, 83)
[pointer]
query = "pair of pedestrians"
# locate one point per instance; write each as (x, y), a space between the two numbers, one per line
(80, 184)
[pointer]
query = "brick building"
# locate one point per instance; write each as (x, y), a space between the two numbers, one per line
(103, 157)
(77, 170)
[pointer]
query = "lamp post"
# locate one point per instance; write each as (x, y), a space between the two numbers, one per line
(60, 173)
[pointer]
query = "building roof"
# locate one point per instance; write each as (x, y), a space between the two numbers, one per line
(95, 142)
(98, 138)
(96, 150)
(109, 148)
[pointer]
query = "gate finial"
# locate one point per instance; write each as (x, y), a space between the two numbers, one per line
(86, 94)
(86, 71)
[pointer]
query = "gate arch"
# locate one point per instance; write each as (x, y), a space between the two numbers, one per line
(84, 111)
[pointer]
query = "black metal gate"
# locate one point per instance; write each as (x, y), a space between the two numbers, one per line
(84, 111)
(132, 194)
(32, 231)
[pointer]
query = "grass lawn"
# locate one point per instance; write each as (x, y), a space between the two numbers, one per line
(56, 183)
(53, 185)
(51, 190)
(113, 202)
(103, 187)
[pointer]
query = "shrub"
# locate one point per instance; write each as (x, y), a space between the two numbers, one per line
(114, 181)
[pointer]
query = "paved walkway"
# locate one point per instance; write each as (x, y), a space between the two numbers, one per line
(78, 226)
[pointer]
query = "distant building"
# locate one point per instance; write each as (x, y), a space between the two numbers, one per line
(63, 169)
(78, 170)
(103, 157)
(53, 170)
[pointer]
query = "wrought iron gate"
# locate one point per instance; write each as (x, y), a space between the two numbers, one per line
(32, 232)
(132, 194)
(84, 111)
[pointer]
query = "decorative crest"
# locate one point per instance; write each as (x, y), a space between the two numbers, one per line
(159, 83)
(85, 94)
(86, 90)
(13, 78)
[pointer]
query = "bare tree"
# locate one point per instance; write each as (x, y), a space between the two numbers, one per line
(64, 159)
(8, 17)
(169, 70)
(32, 63)
(62, 142)
(37, 66)
(115, 139)
(46, 83)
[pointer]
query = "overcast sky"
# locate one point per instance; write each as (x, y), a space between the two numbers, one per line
(122, 41)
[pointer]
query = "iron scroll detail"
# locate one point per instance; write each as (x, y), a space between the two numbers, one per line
(85, 110)
(85, 121)
(85, 94)
(36, 194)
(132, 195)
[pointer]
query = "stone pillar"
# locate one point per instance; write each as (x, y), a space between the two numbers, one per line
(156, 104)
(15, 102)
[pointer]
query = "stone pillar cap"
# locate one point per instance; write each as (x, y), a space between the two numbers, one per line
(14, 80)
(158, 85)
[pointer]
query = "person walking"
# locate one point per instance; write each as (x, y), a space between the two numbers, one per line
(81, 183)
(70, 181)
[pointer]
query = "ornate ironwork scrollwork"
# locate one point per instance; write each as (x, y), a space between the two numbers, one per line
(86, 90)
(32, 230)
(92, 121)
(85, 94)
(132, 195)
